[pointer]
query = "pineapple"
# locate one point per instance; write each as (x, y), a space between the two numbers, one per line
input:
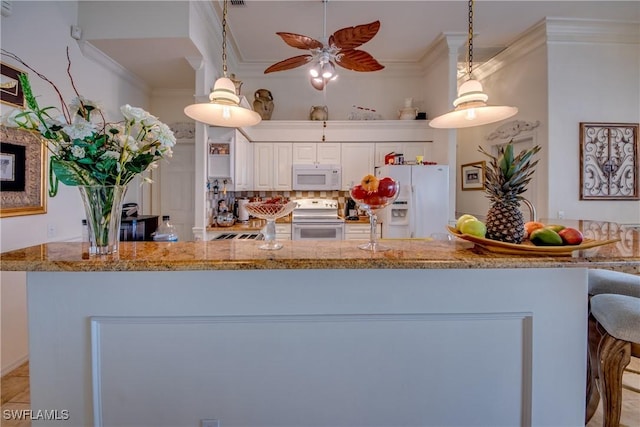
(506, 178)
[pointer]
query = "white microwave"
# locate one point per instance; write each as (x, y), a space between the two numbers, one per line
(316, 177)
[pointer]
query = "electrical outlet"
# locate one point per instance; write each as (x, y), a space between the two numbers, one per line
(51, 230)
(209, 423)
(560, 214)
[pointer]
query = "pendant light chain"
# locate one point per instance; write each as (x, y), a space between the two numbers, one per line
(470, 39)
(224, 38)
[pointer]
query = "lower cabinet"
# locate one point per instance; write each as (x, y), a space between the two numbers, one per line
(360, 231)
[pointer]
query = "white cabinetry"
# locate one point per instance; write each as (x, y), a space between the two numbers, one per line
(230, 157)
(408, 149)
(360, 231)
(272, 162)
(357, 161)
(243, 151)
(326, 153)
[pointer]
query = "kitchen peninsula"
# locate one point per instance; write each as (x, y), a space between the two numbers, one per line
(323, 334)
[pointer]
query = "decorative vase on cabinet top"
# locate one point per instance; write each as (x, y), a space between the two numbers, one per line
(263, 103)
(319, 112)
(408, 113)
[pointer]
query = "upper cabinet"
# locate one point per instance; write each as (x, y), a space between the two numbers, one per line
(272, 166)
(325, 153)
(357, 161)
(230, 156)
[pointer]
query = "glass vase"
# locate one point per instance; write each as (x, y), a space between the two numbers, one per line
(103, 208)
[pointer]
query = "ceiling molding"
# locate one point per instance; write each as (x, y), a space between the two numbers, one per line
(592, 31)
(93, 53)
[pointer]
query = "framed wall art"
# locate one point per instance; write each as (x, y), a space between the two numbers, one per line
(609, 168)
(10, 87)
(473, 176)
(22, 173)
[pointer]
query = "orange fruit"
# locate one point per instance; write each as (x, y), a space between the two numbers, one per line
(370, 183)
(532, 225)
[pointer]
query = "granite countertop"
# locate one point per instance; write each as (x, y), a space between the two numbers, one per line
(623, 255)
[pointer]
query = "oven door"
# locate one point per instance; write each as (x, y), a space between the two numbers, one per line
(317, 231)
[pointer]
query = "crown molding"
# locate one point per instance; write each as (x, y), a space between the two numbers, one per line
(592, 31)
(93, 53)
(561, 30)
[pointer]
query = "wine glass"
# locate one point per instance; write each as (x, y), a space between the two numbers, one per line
(270, 211)
(372, 202)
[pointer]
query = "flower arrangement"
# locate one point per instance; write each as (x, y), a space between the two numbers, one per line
(97, 156)
(84, 148)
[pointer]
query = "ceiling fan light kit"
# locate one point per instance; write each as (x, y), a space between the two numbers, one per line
(470, 107)
(223, 108)
(339, 49)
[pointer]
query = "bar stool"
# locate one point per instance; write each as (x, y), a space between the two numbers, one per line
(614, 335)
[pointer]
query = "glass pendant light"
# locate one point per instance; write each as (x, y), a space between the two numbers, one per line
(470, 107)
(224, 108)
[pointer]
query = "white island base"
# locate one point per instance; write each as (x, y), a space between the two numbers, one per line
(476, 347)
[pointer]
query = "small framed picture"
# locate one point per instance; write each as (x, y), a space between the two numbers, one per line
(22, 173)
(10, 87)
(472, 176)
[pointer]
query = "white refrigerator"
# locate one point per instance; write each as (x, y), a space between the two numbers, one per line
(422, 207)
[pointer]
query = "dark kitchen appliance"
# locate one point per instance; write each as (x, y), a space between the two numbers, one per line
(138, 227)
(351, 209)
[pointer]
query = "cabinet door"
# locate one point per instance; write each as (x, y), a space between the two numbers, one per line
(328, 153)
(243, 164)
(282, 172)
(304, 153)
(357, 161)
(263, 170)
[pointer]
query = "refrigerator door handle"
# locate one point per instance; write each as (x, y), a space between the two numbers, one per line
(412, 211)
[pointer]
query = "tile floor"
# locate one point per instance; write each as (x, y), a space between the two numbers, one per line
(14, 390)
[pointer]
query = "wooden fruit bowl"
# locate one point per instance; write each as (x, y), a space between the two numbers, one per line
(528, 248)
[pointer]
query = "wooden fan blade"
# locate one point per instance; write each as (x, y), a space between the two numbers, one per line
(289, 63)
(358, 60)
(353, 37)
(299, 41)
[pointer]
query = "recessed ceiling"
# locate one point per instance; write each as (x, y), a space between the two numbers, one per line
(408, 29)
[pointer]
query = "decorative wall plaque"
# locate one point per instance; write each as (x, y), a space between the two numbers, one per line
(609, 166)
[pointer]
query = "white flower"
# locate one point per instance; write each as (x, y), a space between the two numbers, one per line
(80, 129)
(78, 151)
(164, 135)
(79, 101)
(134, 113)
(10, 119)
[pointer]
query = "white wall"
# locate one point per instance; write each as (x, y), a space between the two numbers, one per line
(562, 83)
(598, 82)
(39, 32)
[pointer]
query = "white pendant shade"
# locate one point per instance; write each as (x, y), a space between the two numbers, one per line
(223, 109)
(471, 109)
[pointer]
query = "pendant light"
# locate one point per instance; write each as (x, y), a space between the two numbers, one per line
(224, 108)
(470, 107)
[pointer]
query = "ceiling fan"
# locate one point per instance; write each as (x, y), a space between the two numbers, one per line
(340, 49)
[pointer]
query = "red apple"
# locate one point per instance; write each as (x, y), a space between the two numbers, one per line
(374, 200)
(358, 192)
(570, 236)
(387, 187)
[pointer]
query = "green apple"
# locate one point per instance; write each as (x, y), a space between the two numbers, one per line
(462, 219)
(473, 227)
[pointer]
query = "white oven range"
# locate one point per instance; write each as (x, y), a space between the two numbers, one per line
(316, 219)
